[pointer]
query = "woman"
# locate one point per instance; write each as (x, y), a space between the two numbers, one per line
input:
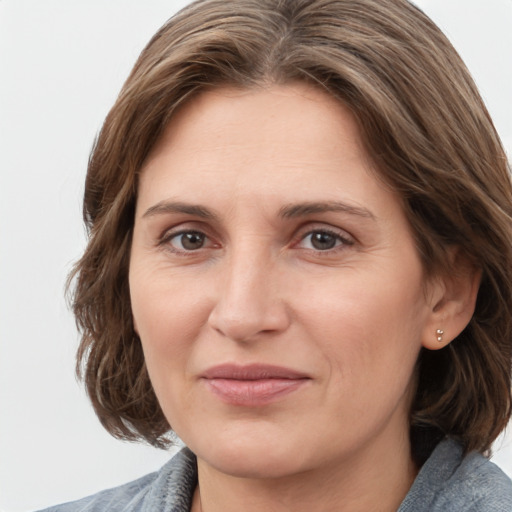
(299, 260)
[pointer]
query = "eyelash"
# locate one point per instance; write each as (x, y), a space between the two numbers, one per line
(167, 238)
(342, 241)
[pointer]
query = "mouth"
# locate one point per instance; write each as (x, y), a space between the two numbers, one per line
(252, 385)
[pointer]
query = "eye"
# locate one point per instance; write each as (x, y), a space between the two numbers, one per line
(324, 240)
(187, 241)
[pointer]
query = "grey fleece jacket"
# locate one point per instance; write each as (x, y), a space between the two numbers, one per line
(447, 482)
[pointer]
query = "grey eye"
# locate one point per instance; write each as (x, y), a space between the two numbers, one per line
(323, 241)
(189, 241)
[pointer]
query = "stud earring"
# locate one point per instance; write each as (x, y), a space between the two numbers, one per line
(439, 334)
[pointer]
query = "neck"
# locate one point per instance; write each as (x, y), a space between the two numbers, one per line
(375, 479)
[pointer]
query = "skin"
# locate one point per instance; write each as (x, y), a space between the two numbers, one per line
(256, 288)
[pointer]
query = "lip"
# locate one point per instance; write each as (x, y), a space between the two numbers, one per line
(252, 385)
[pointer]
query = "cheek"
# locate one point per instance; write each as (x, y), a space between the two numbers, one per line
(167, 324)
(367, 328)
(169, 316)
(363, 304)
(166, 310)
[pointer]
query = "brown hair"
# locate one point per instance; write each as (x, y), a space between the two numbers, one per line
(423, 123)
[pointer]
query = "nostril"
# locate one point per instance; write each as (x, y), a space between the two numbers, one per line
(245, 324)
(248, 301)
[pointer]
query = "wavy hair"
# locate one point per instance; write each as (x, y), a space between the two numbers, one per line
(422, 122)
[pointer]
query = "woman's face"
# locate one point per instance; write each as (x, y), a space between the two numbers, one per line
(275, 285)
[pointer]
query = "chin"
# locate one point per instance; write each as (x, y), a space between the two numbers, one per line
(252, 456)
(254, 464)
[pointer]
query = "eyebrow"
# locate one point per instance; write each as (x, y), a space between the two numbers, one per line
(309, 208)
(164, 207)
(287, 212)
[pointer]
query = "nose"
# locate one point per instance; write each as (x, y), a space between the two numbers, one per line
(249, 302)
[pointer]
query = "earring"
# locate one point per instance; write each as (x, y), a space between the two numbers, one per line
(439, 334)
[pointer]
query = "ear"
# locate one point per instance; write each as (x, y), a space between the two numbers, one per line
(452, 299)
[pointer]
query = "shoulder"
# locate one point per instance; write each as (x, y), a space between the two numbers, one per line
(451, 481)
(170, 488)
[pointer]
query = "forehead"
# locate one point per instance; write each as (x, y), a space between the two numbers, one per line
(278, 114)
(290, 142)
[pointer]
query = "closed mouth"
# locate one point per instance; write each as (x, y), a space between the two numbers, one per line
(252, 385)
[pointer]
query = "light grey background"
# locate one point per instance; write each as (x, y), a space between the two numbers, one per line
(62, 63)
